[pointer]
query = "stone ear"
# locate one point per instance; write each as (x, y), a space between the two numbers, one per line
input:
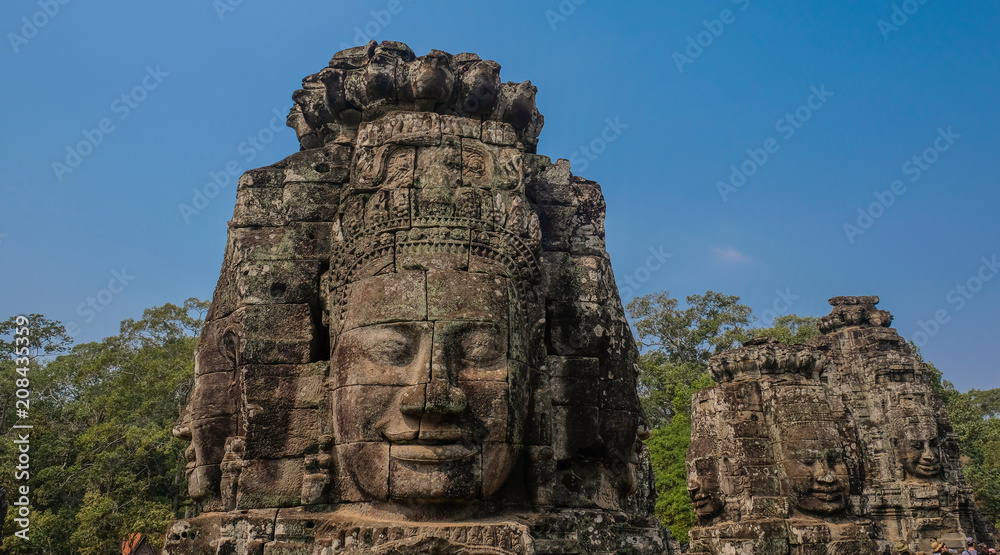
(230, 344)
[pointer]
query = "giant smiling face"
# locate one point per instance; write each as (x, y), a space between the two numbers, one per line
(428, 393)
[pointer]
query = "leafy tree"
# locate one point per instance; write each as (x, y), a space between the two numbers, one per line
(104, 463)
(789, 329)
(710, 324)
(46, 339)
(668, 445)
(677, 343)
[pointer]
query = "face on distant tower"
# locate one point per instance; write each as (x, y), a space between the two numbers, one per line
(815, 474)
(703, 484)
(919, 452)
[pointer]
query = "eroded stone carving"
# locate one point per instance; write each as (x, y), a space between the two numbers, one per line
(814, 473)
(840, 445)
(416, 344)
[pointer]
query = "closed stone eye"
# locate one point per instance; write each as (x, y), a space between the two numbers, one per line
(388, 347)
(480, 347)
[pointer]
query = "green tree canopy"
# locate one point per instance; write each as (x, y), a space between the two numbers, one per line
(677, 342)
(711, 323)
(103, 461)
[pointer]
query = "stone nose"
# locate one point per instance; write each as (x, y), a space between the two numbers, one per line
(438, 398)
(824, 473)
(928, 453)
(693, 485)
(444, 399)
(411, 402)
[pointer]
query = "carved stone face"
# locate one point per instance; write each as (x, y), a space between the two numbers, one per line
(209, 424)
(423, 406)
(703, 484)
(920, 454)
(815, 474)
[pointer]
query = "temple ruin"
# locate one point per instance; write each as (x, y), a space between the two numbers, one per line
(835, 446)
(416, 344)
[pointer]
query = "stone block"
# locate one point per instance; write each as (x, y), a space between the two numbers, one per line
(267, 483)
(279, 282)
(311, 202)
(260, 207)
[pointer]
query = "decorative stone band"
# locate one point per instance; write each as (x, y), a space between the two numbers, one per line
(765, 356)
(364, 83)
(454, 247)
(427, 129)
(498, 252)
(767, 536)
(503, 538)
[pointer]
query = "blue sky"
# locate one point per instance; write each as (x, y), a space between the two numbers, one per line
(768, 149)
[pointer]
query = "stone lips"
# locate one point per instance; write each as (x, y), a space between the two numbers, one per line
(406, 196)
(854, 410)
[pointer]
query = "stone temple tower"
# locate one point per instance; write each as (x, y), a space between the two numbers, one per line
(416, 344)
(836, 446)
